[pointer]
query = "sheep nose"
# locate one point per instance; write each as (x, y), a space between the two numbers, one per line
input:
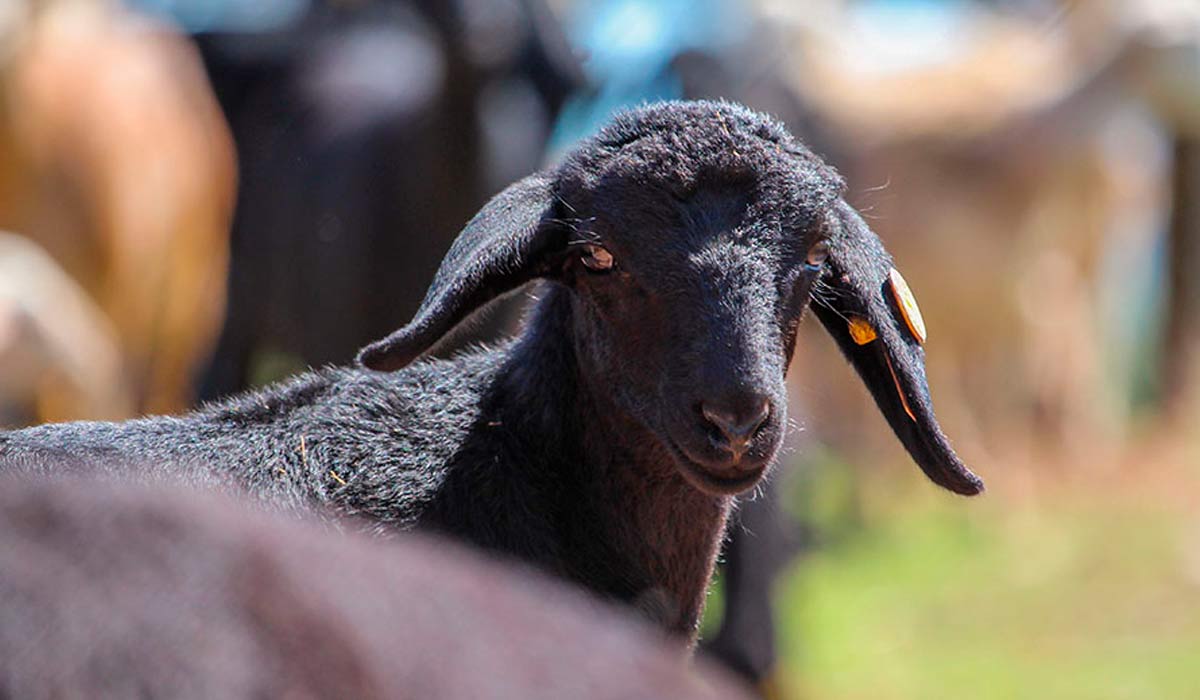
(737, 420)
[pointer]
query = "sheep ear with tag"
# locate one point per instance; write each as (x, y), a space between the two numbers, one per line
(874, 318)
(505, 245)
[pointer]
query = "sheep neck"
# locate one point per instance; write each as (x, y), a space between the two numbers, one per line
(635, 529)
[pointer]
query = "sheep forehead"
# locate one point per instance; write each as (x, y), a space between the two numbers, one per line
(679, 150)
(686, 145)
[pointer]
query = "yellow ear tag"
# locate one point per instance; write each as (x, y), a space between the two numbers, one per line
(861, 330)
(908, 305)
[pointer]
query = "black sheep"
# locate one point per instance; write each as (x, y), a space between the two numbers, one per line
(606, 443)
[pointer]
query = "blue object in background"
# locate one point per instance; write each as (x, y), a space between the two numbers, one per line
(628, 46)
(195, 16)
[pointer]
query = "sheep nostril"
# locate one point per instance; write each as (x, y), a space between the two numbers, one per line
(737, 425)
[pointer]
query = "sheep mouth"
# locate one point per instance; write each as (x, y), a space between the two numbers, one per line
(717, 481)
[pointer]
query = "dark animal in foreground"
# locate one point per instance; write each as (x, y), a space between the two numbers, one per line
(606, 443)
(108, 590)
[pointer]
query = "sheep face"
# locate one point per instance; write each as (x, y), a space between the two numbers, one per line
(693, 236)
(692, 254)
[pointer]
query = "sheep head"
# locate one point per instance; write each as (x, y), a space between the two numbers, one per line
(693, 236)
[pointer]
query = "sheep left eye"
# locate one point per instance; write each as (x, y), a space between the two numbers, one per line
(596, 258)
(817, 254)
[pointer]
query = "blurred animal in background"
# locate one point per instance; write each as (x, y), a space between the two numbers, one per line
(115, 591)
(367, 133)
(114, 158)
(1036, 136)
(59, 356)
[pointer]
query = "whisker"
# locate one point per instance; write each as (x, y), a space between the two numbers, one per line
(879, 188)
(565, 203)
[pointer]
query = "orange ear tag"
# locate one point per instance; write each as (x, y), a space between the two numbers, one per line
(861, 330)
(908, 305)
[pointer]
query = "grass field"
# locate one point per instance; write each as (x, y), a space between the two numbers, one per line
(1087, 590)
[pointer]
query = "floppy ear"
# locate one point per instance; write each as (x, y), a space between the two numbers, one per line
(873, 318)
(505, 245)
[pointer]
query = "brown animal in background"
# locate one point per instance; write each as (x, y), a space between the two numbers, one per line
(114, 590)
(114, 157)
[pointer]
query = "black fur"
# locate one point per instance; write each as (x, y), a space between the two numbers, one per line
(581, 445)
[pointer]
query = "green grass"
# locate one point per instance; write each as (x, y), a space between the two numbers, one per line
(946, 598)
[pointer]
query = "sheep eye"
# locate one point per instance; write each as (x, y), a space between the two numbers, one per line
(596, 258)
(817, 254)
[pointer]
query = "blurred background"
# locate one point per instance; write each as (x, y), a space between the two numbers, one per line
(200, 196)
